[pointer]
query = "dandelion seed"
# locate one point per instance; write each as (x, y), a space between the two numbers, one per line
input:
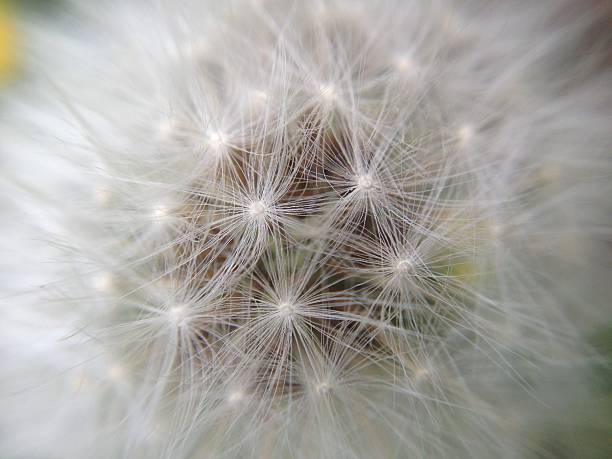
(406, 65)
(465, 134)
(258, 209)
(103, 282)
(235, 397)
(216, 140)
(365, 182)
(178, 315)
(404, 266)
(286, 309)
(160, 212)
(328, 93)
(322, 388)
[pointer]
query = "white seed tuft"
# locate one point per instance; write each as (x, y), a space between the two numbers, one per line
(365, 182)
(258, 209)
(334, 229)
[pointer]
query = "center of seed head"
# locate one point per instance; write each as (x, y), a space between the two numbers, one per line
(322, 388)
(103, 282)
(465, 134)
(257, 209)
(286, 309)
(328, 92)
(405, 64)
(259, 95)
(215, 139)
(178, 314)
(404, 266)
(235, 396)
(159, 212)
(365, 182)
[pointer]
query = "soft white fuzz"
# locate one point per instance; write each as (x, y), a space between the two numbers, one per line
(304, 229)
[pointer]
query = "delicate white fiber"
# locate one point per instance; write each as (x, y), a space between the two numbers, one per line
(294, 229)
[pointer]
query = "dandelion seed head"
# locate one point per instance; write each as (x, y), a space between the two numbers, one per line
(294, 214)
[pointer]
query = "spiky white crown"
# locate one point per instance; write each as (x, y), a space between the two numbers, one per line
(306, 229)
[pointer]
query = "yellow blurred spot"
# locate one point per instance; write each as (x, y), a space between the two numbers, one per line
(464, 271)
(7, 44)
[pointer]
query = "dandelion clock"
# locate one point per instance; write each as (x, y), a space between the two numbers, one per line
(307, 229)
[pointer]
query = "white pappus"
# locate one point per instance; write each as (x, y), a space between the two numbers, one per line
(328, 229)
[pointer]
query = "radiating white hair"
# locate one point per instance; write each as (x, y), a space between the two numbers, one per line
(328, 229)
